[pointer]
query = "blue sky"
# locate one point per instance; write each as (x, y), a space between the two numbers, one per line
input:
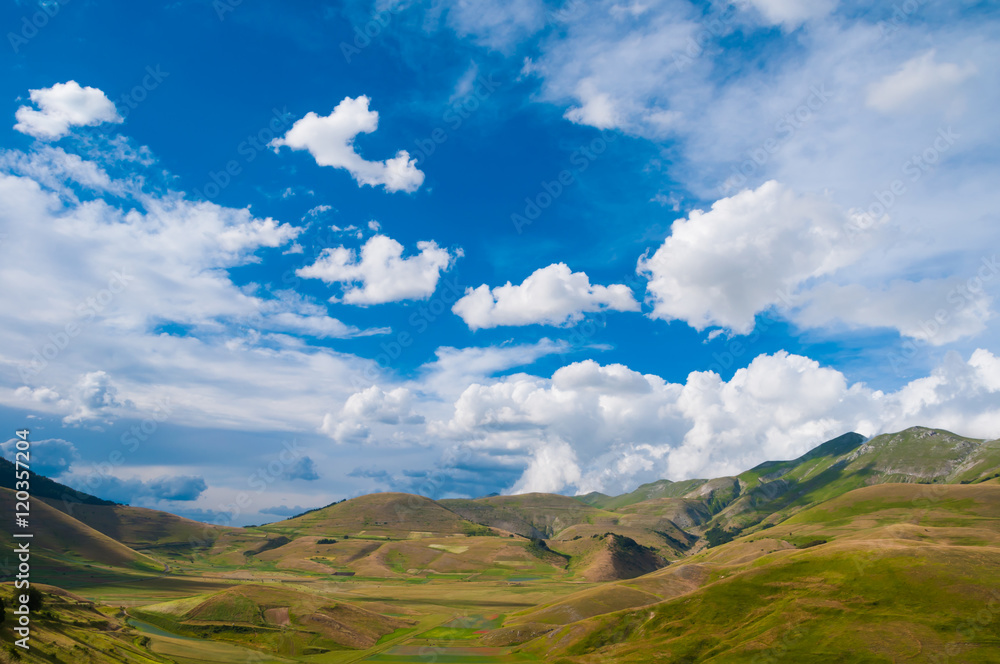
(266, 257)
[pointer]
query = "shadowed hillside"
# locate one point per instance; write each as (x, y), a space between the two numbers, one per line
(62, 544)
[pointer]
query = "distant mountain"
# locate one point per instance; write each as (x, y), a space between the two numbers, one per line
(657, 489)
(386, 514)
(774, 490)
(599, 537)
(539, 515)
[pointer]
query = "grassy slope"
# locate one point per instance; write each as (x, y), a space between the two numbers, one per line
(62, 544)
(548, 514)
(581, 530)
(652, 490)
(397, 515)
(73, 630)
(277, 620)
(145, 529)
(904, 572)
(776, 490)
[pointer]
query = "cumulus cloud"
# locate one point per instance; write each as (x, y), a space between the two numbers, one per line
(135, 490)
(180, 488)
(38, 394)
(94, 397)
(918, 80)
(552, 467)
(128, 301)
(50, 457)
(721, 267)
(608, 428)
(381, 274)
(370, 407)
(455, 368)
(330, 140)
(62, 106)
(552, 295)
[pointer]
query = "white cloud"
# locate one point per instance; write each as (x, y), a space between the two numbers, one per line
(94, 397)
(552, 467)
(791, 13)
(608, 428)
(552, 295)
(495, 25)
(41, 394)
(381, 274)
(62, 106)
(129, 303)
(370, 407)
(321, 327)
(771, 247)
(620, 72)
(919, 80)
(721, 267)
(56, 169)
(596, 109)
(455, 368)
(316, 211)
(330, 140)
(936, 311)
(464, 84)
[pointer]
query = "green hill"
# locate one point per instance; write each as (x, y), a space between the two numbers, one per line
(397, 515)
(146, 529)
(883, 573)
(775, 490)
(63, 546)
(275, 620)
(650, 491)
(530, 514)
(72, 629)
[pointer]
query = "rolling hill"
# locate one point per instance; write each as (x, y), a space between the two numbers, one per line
(535, 514)
(773, 491)
(893, 572)
(63, 545)
(859, 550)
(398, 515)
(275, 620)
